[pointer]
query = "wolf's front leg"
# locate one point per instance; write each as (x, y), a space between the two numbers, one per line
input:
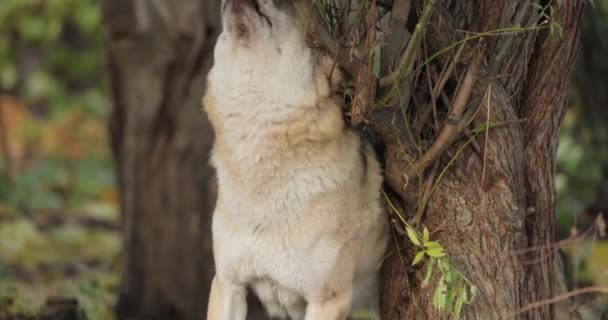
(333, 306)
(226, 301)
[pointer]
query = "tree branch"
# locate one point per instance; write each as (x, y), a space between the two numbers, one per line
(450, 129)
(405, 67)
(558, 298)
(317, 30)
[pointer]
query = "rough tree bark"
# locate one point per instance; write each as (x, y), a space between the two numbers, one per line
(159, 53)
(498, 195)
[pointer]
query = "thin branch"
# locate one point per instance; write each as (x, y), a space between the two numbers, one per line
(426, 195)
(503, 52)
(363, 100)
(558, 298)
(485, 149)
(318, 31)
(571, 240)
(445, 76)
(440, 85)
(450, 128)
(408, 56)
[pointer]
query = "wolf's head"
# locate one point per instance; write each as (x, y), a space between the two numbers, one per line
(259, 31)
(248, 22)
(262, 57)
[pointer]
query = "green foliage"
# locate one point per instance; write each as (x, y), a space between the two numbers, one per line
(51, 58)
(546, 12)
(49, 48)
(57, 175)
(452, 290)
(580, 165)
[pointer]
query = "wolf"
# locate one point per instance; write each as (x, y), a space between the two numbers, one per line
(299, 218)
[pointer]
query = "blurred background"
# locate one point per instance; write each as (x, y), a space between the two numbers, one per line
(59, 224)
(59, 232)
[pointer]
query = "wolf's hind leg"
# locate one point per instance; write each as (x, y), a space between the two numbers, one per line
(268, 296)
(226, 302)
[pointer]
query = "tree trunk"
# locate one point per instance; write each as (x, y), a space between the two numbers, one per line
(159, 53)
(497, 197)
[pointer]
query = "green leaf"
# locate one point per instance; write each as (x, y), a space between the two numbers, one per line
(418, 257)
(445, 265)
(412, 235)
(436, 253)
(440, 295)
(433, 245)
(462, 297)
(449, 301)
(473, 294)
(449, 276)
(429, 272)
(425, 236)
(537, 6)
(454, 275)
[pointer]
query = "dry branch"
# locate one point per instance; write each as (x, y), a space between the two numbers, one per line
(407, 62)
(558, 298)
(320, 36)
(450, 129)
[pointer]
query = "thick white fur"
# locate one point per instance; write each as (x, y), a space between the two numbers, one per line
(298, 217)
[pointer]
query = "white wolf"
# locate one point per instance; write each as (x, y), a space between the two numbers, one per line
(299, 217)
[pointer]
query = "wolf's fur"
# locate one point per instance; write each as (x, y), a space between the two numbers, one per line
(298, 217)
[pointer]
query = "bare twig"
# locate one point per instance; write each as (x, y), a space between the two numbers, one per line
(476, 148)
(432, 106)
(450, 129)
(561, 243)
(558, 298)
(407, 61)
(365, 95)
(446, 137)
(318, 31)
(428, 189)
(440, 85)
(485, 149)
(503, 53)
(445, 76)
